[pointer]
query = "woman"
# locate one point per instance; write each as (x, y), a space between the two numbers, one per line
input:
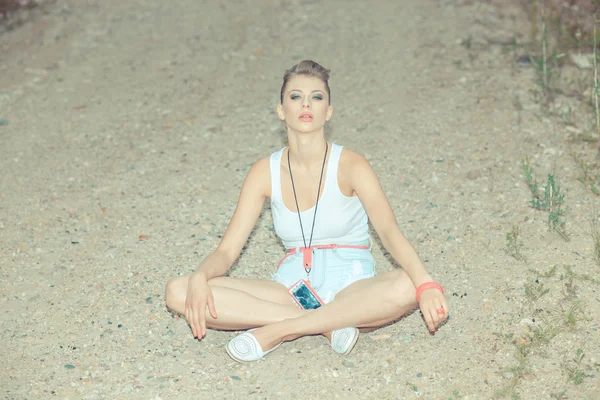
(321, 195)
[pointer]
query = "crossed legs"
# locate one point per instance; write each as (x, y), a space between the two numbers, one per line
(244, 303)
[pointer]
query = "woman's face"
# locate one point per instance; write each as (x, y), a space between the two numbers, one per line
(305, 105)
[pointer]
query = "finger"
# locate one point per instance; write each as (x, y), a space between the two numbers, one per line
(211, 307)
(201, 315)
(194, 321)
(190, 318)
(445, 305)
(428, 320)
(435, 317)
(187, 318)
(440, 311)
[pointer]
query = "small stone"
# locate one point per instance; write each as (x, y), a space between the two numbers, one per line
(69, 366)
(473, 174)
(235, 378)
(3, 122)
(419, 374)
(582, 61)
(149, 300)
(348, 363)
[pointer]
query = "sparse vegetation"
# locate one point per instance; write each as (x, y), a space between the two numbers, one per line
(574, 368)
(589, 176)
(550, 200)
(546, 66)
(595, 231)
(513, 244)
(546, 324)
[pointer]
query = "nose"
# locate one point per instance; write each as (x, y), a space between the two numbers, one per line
(306, 103)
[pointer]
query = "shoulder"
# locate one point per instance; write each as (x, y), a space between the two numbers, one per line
(353, 170)
(259, 176)
(352, 162)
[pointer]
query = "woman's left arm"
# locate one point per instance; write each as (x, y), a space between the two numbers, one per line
(365, 183)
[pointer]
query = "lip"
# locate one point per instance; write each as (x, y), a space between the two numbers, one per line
(305, 114)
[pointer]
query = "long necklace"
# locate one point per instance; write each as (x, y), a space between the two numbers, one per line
(307, 258)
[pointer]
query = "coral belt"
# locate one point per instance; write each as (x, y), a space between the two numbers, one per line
(307, 252)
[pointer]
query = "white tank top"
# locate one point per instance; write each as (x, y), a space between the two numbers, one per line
(340, 219)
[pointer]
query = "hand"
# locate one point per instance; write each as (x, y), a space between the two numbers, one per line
(198, 297)
(430, 302)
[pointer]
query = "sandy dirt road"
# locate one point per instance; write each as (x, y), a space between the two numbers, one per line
(129, 127)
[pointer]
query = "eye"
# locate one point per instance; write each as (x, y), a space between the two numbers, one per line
(318, 97)
(294, 96)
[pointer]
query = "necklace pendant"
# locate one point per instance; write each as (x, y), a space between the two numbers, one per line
(307, 258)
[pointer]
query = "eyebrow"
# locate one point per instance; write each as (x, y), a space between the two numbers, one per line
(298, 90)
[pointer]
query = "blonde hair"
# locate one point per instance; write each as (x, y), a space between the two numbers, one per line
(308, 68)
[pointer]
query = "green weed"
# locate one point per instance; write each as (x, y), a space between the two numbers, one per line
(559, 395)
(574, 369)
(550, 273)
(588, 176)
(533, 291)
(455, 395)
(545, 332)
(546, 65)
(414, 389)
(596, 89)
(595, 230)
(570, 315)
(513, 244)
(550, 200)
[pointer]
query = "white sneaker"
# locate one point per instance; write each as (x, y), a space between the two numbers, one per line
(343, 340)
(245, 348)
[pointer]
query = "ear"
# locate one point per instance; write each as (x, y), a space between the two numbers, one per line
(280, 112)
(329, 113)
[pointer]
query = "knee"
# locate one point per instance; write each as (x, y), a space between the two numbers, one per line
(172, 292)
(402, 289)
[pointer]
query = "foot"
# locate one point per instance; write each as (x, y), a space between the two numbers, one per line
(343, 340)
(246, 348)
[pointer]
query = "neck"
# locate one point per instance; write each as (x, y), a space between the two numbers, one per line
(307, 152)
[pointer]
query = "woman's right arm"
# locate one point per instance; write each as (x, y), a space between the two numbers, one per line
(256, 188)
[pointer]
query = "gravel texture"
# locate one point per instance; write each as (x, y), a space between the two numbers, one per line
(128, 127)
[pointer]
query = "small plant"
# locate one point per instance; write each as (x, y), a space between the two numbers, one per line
(551, 200)
(513, 244)
(573, 368)
(569, 291)
(533, 291)
(550, 273)
(414, 389)
(545, 332)
(595, 229)
(573, 314)
(595, 91)
(544, 72)
(588, 177)
(516, 374)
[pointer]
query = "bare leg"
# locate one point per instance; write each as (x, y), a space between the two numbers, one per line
(241, 303)
(368, 303)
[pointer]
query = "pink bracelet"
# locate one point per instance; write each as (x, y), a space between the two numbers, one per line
(428, 285)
